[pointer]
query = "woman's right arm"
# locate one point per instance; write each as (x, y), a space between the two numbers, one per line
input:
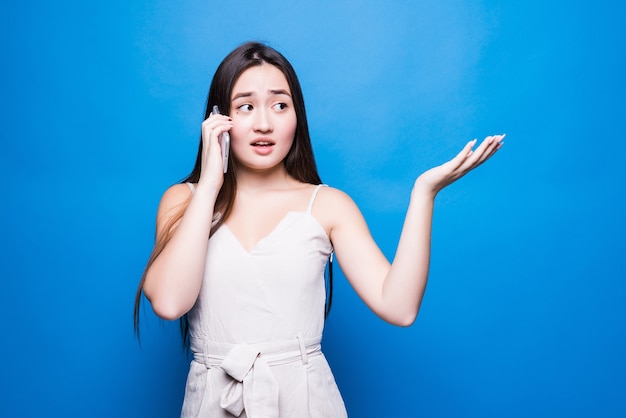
(173, 281)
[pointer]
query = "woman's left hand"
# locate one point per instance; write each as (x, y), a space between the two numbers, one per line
(435, 179)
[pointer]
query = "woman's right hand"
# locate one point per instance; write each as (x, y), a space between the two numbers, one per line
(212, 169)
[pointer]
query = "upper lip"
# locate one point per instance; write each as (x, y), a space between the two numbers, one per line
(266, 141)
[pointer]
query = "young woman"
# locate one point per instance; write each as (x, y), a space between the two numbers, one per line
(241, 255)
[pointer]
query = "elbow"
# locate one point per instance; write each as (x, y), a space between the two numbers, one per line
(402, 319)
(165, 307)
(167, 310)
(406, 321)
(405, 317)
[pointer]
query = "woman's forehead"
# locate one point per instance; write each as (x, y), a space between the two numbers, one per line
(264, 78)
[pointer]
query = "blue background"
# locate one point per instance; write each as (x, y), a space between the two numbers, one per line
(101, 104)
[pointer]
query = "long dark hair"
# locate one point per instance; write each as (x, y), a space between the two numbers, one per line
(299, 162)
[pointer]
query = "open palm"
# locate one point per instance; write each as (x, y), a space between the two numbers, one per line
(465, 161)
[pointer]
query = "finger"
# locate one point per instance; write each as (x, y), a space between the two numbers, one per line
(489, 145)
(215, 128)
(462, 156)
(500, 141)
(215, 120)
(475, 154)
(484, 151)
(495, 144)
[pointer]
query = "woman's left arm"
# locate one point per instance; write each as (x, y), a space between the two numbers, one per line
(394, 291)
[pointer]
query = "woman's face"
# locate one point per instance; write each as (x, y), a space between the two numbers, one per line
(264, 118)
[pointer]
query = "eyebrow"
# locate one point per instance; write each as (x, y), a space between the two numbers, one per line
(271, 91)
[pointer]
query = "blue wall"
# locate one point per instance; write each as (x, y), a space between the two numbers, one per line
(524, 314)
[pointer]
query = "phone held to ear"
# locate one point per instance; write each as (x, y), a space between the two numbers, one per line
(224, 140)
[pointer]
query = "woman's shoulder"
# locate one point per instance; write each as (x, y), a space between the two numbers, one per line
(333, 196)
(333, 205)
(175, 195)
(179, 190)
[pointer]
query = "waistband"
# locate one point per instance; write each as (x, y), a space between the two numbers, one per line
(212, 354)
(253, 387)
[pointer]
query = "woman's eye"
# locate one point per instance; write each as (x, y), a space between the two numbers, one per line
(280, 106)
(245, 107)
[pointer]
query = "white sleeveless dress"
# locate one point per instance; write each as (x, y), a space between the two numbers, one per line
(257, 325)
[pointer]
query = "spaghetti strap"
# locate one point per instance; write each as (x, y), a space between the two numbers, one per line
(191, 187)
(317, 189)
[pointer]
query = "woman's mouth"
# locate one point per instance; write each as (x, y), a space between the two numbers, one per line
(263, 146)
(262, 143)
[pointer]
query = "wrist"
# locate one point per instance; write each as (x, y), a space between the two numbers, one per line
(423, 190)
(207, 189)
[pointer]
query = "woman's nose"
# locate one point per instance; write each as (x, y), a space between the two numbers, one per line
(263, 120)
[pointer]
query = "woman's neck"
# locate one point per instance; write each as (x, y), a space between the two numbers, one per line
(275, 179)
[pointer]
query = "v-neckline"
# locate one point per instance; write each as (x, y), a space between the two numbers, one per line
(260, 241)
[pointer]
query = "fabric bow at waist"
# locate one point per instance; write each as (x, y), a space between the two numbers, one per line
(253, 387)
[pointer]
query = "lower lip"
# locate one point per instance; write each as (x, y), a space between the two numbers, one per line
(262, 149)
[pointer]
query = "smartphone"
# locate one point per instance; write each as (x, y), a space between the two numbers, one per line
(224, 140)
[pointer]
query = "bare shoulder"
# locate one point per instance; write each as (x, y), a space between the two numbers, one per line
(330, 196)
(173, 198)
(334, 207)
(175, 195)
